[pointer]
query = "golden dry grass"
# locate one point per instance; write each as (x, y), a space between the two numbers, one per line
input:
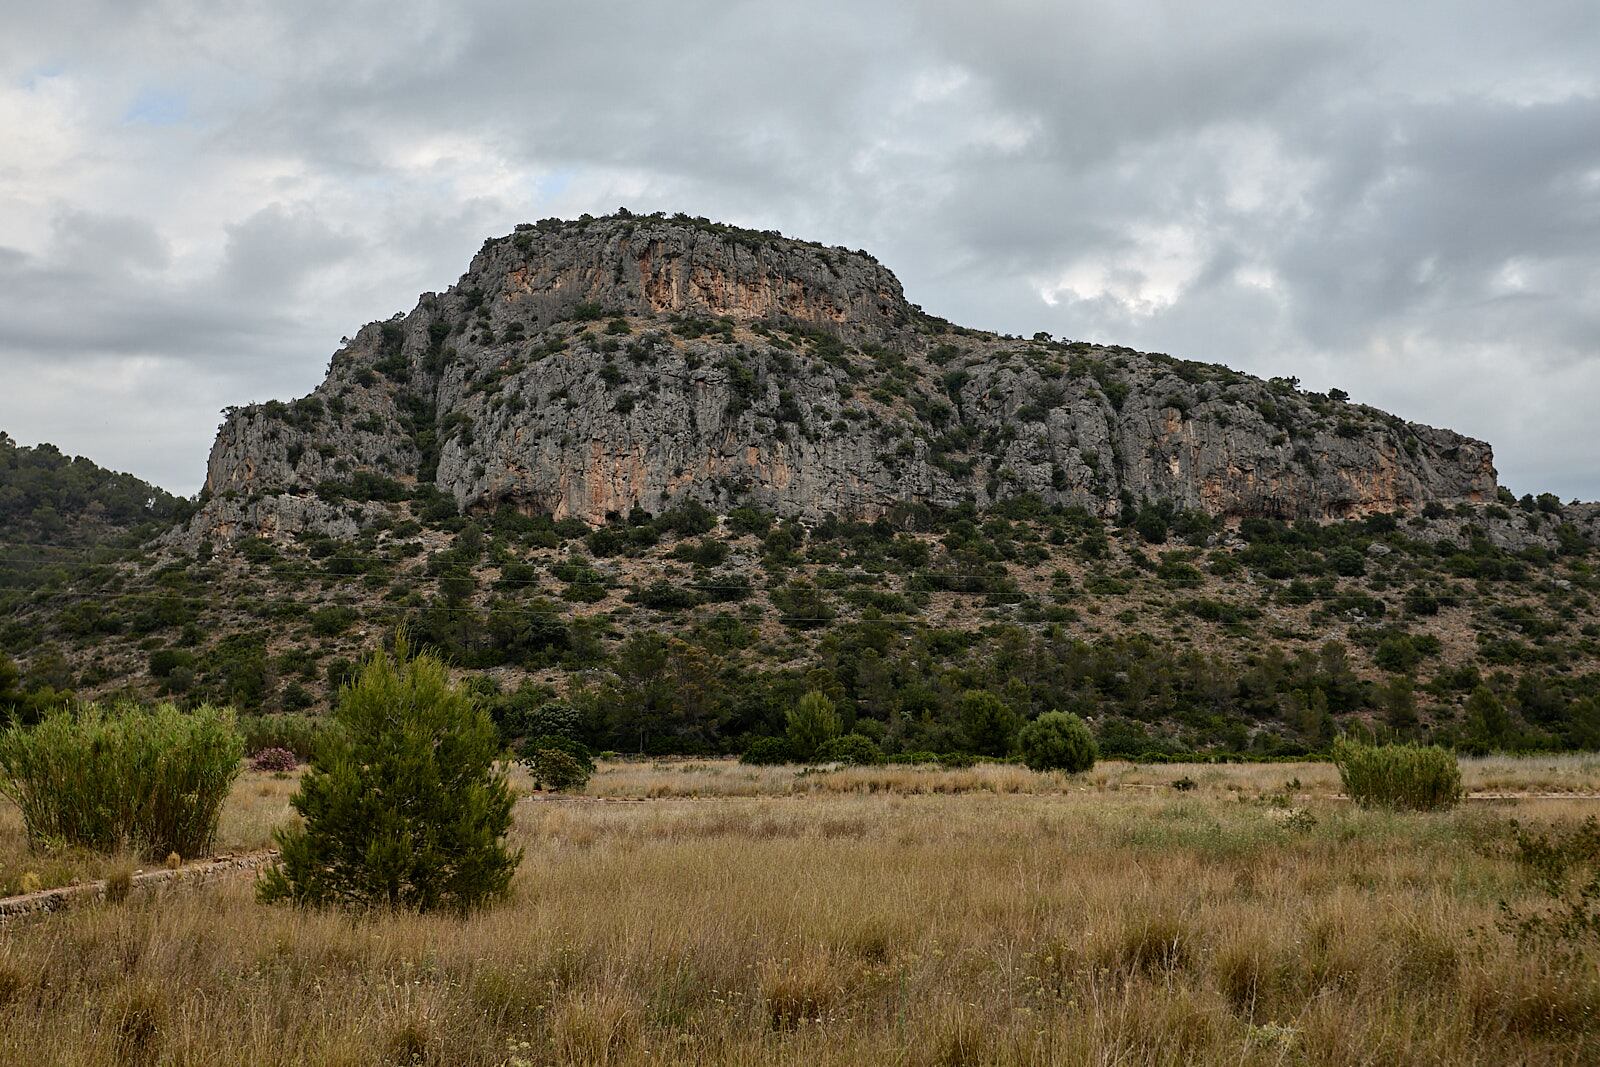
(833, 920)
(1561, 774)
(257, 803)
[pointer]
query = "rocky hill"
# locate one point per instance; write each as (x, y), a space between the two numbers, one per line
(582, 369)
(675, 475)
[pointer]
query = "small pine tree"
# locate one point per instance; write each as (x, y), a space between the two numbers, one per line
(812, 723)
(1058, 741)
(403, 805)
(1398, 696)
(990, 726)
(1488, 721)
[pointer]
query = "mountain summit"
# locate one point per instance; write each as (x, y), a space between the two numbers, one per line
(583, 369)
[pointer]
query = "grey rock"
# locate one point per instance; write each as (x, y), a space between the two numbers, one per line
(793, 377)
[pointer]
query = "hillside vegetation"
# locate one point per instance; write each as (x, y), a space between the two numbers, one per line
(674, 476)
(690, 632)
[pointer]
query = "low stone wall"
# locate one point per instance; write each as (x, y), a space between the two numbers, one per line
(189, 875)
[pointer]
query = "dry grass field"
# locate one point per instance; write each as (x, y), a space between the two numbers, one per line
(704, 912)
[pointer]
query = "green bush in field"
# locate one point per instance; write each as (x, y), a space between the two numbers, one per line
(403, 804)
(849, 748)
(557, 769)
(152, 779)
(811, 723)
(1058, 741)
(1410, 777)
(767, 752)
(572, 770)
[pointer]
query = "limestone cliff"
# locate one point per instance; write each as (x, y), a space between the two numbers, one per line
(585, 368)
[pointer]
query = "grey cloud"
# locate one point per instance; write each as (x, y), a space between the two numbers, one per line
(1390, 198)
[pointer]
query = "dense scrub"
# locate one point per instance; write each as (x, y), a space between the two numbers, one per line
(1409, 777)
(151, 780)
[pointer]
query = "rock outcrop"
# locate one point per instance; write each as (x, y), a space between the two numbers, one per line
(586, 368)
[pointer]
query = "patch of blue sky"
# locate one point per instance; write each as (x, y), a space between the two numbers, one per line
(157, 107)
(554, 183)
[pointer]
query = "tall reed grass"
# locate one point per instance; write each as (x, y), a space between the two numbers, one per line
(1410, 777)
(296, 733)
(149, 779)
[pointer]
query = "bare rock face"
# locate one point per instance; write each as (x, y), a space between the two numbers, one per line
(583, 369)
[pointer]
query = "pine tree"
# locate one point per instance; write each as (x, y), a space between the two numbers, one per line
(1488, 721)
(990, 726)
(812, 723)
(1398, 697)
(403, 804)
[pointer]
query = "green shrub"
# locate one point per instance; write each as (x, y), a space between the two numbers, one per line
(849, 748)
(557, 770)
(150, 779)
(1411, 777)
(1058, 741)
(403, 804)
(530, 748)
(812, 723)
(766, 752)
(333, 620)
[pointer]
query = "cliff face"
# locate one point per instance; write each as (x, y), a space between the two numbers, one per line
(585, 368)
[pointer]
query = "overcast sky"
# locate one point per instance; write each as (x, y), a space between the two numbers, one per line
(1400, 199)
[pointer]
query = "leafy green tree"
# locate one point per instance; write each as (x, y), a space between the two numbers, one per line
(403, 804)
(1488, 721)
(1058, 741)
(1399, 699)
(989, 724)
(557, 769)
(1583, 724)
(812, 723)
